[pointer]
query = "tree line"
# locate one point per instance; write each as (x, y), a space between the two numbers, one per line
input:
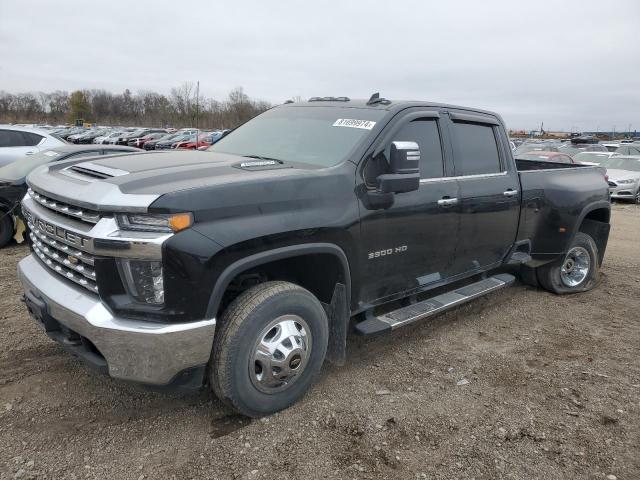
(145, 108)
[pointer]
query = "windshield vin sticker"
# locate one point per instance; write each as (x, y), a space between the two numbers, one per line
(353, 123)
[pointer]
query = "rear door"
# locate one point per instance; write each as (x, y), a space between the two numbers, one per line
(489, 196)
(15, 144)
(410, 244)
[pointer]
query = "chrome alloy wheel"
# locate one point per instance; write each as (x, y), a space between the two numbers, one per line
(576, 266)
(280, 354)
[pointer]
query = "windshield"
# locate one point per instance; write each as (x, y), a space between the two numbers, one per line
(620, 163)
(21, 168)
(321, 136)
(591, 157)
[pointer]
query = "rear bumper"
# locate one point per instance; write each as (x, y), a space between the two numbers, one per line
(140, 351)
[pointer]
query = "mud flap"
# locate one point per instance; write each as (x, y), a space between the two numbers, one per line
(338, 315)
(19, 228)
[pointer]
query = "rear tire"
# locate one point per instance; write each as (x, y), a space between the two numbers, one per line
(576, 272)
(6, 228)
(528, 276)
(268, 348)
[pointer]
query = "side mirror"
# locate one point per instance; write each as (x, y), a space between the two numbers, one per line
(404, 164)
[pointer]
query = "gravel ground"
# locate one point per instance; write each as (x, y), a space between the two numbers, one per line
(553, 392)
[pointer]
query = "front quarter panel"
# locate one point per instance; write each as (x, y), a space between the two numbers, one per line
(281, 210)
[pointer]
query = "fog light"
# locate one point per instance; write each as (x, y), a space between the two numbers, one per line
(144, 280)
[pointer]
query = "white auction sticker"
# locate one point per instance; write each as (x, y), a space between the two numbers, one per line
(353, 123)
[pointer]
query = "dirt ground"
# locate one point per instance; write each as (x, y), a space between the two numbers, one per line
(553, 393)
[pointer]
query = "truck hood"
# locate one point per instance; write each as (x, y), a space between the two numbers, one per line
(132, 182)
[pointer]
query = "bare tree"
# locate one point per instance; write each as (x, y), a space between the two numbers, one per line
(144, 108)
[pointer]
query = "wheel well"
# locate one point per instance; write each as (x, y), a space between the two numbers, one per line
(302, 270)
(598, 215)
(596, 225)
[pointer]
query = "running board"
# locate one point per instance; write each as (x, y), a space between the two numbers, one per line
(426, 308)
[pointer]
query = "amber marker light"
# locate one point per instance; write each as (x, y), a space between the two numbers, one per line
(180, 221)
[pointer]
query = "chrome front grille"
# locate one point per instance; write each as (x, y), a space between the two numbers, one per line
(89, 216)
(62, 252)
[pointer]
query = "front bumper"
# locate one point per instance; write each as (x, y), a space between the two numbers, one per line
(135, 350)
(624, 191)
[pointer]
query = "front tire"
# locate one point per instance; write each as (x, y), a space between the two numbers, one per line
(576, 272)
(269, 348)
(6, 228)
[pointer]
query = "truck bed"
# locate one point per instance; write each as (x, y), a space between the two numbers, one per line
(527, 165)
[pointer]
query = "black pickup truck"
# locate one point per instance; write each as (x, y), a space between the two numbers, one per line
(245, 267)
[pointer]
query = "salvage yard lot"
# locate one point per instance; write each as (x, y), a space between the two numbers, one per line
(553, 392)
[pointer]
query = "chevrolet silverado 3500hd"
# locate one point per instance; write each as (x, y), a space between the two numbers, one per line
(244, 267)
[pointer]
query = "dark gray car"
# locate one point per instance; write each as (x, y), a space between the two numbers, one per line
(13, 185)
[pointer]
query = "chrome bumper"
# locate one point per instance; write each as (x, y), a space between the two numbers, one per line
(624, 191)
(134, 350)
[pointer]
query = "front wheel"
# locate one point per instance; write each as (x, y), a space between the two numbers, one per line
(6, 228)
(576, 272)
(269, 348)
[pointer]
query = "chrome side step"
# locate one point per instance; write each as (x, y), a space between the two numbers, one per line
(426, 308)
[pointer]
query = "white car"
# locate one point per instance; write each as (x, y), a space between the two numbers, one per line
(16, 142)
(624, 177)
(592, 158)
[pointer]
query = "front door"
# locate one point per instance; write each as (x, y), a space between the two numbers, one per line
(411, 244)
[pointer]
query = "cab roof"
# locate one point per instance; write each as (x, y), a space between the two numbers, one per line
(388, 105)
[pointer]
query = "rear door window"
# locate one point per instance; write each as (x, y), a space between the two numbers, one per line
(31, 139)
(475, 149)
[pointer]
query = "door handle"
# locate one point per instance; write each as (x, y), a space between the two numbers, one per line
(447, 202)
(30, 153)
(510, 193)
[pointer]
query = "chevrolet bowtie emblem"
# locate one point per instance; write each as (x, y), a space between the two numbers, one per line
(73, 260)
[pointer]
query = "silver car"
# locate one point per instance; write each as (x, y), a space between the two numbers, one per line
(624, 177)
(18, 142)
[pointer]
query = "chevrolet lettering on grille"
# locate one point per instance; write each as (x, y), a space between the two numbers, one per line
(55, 231)
(50, 229)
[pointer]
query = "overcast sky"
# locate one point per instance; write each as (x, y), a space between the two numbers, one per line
(567, 63)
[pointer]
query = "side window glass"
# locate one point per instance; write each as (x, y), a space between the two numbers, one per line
(475, 150)
(31, 139)
(11, 138)
(426, 134)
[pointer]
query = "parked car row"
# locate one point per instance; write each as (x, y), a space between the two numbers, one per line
(622, 164)
(575, 147)
(147, 138)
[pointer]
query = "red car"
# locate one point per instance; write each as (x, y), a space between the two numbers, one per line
(204, 140)
(139, 142)
(544, 156)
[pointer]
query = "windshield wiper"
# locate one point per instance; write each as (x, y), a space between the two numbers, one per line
(260, 157)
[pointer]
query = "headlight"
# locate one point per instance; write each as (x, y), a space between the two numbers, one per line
(629, 180)
(143, 280)
(154, 223)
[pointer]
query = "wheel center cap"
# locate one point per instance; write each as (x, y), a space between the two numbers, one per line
(295, 361)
